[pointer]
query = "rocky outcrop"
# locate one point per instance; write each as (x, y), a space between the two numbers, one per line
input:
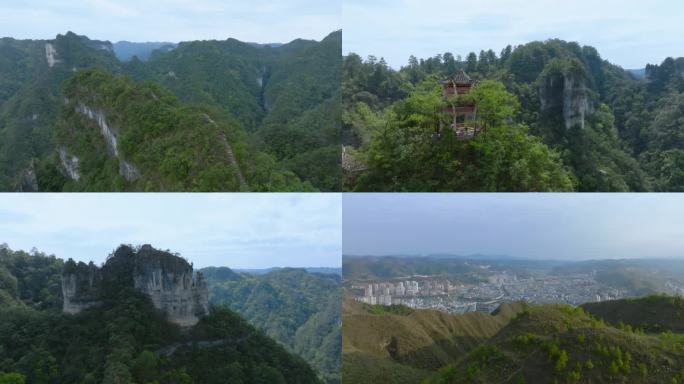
(166, 279)
(69, 163)
(28, 182)
(172, 286)
(230, 155)
(109, 133)
(51, 55)
(128, 171)
(81, 286)
(563, 91)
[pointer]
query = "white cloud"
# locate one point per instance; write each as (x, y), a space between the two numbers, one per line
(171, 20)
(239, 230)
(625, 31)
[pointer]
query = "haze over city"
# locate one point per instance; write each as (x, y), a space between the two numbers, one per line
(538, 226)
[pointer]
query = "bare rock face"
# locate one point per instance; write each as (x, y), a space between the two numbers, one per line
(70, 164)
(110, 135)
(29, 179)
(81, 286)
(108, 132)
(171, 284)
(567, 93)
(51, 55)
(167, 279)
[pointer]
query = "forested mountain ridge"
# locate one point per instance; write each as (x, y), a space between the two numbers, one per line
(396, 344)
(30, 279)
(516, 344)
(558, 343)
(299, 309)
(281, 102)
(125, 339)
(608, 130)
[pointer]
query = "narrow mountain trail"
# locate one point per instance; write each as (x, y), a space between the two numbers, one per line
(231, 156)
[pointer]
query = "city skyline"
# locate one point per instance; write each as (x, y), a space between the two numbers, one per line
(626, 33)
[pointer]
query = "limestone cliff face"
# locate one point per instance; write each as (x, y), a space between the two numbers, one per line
(81, 286)
(172, 286)
(168, 280)
(563, 90)
(29, 179)
(70, 164)
(110, 135)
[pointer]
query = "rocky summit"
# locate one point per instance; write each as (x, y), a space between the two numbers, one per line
(166, 279)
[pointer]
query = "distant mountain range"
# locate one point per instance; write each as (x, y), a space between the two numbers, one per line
(298, 307)
(125, 50)
(638, 73)
(335, 271)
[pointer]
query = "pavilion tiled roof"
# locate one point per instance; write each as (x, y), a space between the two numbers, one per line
(460, 77)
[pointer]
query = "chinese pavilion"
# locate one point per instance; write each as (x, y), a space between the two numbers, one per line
(459, 84)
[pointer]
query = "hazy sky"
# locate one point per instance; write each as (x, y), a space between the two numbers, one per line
(262, 21)
(549, 226)
(630, 33)
(235, 230)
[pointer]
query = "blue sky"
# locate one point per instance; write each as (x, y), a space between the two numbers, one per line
(235, 230)
(543, 226)
(630, 33)
(262, 21)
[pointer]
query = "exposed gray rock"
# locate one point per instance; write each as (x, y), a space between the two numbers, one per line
(70, 164)
(81, 285)
(51, 55)
(128, 171)
(568, 93)
(168, 280)
(29, 180)
(230, 155)
(110, 134)
(575, 102)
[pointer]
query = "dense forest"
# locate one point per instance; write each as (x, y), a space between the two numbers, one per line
(555, 117)
(124, 340)
(202, 115)
(299, 309)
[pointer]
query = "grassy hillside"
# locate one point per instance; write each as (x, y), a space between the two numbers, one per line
(412, 342)
(650, 314)
(561, 344)
(623, 341)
